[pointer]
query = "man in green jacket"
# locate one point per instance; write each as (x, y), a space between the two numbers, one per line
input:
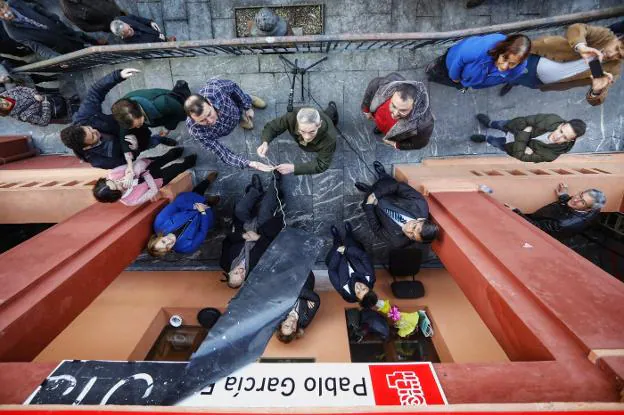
(535, 138)
(312, 130)
(152, 107)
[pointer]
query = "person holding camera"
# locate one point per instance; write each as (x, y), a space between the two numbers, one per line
(586, 56)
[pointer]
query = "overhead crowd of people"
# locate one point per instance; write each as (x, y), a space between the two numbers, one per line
(583, 56)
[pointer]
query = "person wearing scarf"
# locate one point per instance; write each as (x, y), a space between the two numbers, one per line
(400, 110)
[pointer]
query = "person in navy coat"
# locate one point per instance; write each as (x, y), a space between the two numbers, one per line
(349, 267)
(184, 223)
(481, 61)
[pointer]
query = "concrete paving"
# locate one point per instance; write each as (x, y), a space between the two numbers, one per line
(316, 202)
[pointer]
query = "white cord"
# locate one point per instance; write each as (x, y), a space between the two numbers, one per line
(279, 201)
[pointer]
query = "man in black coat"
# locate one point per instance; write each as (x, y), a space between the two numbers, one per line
(302, 313)
(90, 15)
(350, 269)
(569, 215)
(136, 29)
(95, 137)
(256, 223)
(396, 212)
(33, 26)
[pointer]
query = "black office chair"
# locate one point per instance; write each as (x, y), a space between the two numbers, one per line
(403, 262)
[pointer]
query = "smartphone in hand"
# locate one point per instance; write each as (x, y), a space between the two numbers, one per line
(596, 68)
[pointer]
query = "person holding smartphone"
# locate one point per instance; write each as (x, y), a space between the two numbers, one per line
(586, 56)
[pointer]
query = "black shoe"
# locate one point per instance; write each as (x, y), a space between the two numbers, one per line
(256, 183)
(484, 120)
(377, 131)
(505, 90)
(474, 3)
(175, 153)
(212, 176)
(348, 227)
(192, 159)
(334, 115)
(213, 200)
(363, 187)
(168, 141)
(379, 168)
(335, 232)
(477, 138)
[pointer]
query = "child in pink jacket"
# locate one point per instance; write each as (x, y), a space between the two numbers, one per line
(148, 177)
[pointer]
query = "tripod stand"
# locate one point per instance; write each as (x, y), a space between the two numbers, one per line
(295, 69)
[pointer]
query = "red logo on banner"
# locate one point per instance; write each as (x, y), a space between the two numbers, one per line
(412, 384)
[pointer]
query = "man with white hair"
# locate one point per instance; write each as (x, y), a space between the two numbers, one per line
(137, 29)
(312, 130)
(569, 215)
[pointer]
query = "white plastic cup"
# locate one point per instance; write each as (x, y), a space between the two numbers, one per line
(175, 320)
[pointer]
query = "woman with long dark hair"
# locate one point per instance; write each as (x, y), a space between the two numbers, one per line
(149, 175)
(481, 61)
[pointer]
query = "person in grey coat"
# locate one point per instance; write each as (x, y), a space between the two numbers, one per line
(43, 32)
(401, 111)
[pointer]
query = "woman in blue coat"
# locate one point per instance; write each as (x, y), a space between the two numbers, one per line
(481, 61)
(184, 223)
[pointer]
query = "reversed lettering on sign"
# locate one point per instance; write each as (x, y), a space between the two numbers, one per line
(408, 387)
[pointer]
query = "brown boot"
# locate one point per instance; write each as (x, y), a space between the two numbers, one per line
(212, 176)
(213, 200)
(246, 122)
